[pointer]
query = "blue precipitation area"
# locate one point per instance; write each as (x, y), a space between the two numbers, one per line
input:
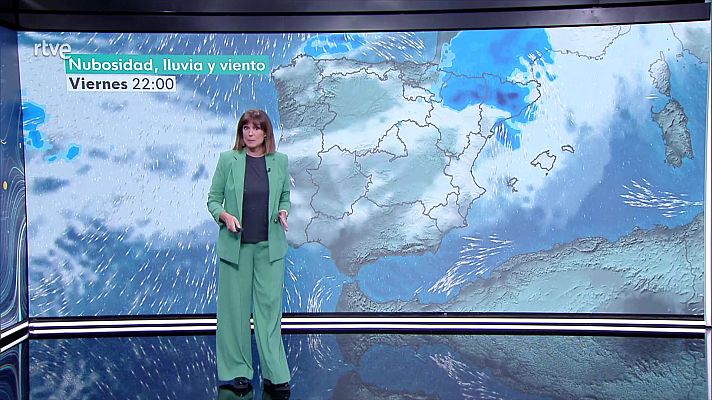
(333, 43)
(418, 47)
(637, 153)
(481, 61)
(33, 116)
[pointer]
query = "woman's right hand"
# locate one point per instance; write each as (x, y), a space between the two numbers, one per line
(230, 222)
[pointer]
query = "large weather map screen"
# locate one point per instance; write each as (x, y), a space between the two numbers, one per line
(522, 170)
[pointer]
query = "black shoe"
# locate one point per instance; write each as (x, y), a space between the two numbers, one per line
(240, 384)
(281, 388)
(228, 393)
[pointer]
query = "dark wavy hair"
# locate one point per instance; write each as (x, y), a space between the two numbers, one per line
(259, 119)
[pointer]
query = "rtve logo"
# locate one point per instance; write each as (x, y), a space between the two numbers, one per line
(52, 50)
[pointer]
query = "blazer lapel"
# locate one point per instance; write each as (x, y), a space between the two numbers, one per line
(273, 178)
(238, 176)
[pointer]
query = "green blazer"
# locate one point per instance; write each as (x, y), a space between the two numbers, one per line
(226, 195)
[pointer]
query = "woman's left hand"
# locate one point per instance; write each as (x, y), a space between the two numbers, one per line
(283, 220)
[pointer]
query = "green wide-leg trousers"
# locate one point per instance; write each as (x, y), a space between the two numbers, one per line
(253, 281)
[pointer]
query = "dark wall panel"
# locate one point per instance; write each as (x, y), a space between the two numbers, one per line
(13, 247)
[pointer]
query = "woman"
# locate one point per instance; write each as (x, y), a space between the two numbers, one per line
(249, 199)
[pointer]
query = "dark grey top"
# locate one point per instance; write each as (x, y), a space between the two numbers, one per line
(255, 200)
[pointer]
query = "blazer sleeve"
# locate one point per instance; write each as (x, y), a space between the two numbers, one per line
(216, 195)
(284, 202)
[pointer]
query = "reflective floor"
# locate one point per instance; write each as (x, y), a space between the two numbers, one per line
(367, 366)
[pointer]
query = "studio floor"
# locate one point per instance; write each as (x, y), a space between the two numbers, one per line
(367, 366)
